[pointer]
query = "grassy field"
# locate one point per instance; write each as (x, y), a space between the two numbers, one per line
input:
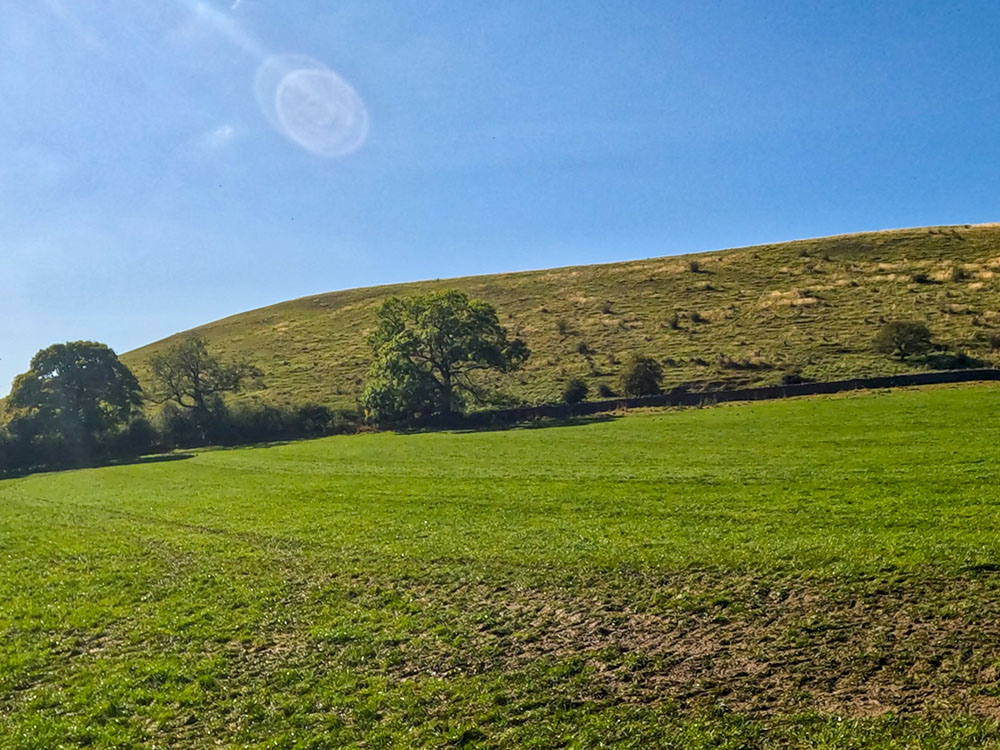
(813, 305)
(805, 573)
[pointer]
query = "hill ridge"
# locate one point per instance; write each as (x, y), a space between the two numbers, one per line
(741, 314)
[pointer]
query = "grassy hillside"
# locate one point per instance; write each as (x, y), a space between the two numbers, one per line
(744, 315)
(606, 584)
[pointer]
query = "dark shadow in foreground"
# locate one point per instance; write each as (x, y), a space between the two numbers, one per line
(96, 464)
(532, 424)
(157, 458)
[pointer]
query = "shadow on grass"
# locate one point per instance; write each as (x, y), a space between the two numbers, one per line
(96, 464)
(158, 458)
(532, 424)
(261, 444)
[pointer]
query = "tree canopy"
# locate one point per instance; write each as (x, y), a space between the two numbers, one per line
(77, 390)
(643, 377)
(427, 351)
(903, 338)
(187, 375)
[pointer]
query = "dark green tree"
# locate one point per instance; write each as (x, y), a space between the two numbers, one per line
(187, 375)
(428, 350)
(76, 391)
(643, 377)
(903, 338)
(574, 391)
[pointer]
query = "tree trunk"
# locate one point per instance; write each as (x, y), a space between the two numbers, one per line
(447, 393)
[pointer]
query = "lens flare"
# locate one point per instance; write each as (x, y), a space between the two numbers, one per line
(311, 105)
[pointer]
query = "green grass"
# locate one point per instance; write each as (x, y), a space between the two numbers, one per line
(812, 305)
(804, 573)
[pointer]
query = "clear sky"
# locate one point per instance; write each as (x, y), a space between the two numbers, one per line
(170, 162)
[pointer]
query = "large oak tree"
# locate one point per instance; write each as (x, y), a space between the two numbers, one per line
(428, 350)
(76, 391)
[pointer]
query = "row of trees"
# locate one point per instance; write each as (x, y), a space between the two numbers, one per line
(79, 404)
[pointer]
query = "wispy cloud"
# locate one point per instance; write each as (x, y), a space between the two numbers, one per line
(218, 137)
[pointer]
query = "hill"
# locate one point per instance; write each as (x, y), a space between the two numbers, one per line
(607, 584)
(742, 316)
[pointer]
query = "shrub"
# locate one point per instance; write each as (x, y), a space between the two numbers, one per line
(920, 278)
(582, 348)
(575, 391)
(179, 428)
(694, 266)
(903, 338)
(139, 438)
(792, 377)
(958, 274)
(994, 341)
(562, 326)
(313, 419)
(606, 308)
(643, 377)
(697, 317)
(953, 361)
(728, 363)
(675, 322)
(259, 424)
(605, 391)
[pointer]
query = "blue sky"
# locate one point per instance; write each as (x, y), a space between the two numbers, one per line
(148, 185)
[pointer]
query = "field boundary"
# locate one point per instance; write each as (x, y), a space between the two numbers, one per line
(681, 396)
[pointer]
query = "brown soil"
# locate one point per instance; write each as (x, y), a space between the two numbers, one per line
(927, 646)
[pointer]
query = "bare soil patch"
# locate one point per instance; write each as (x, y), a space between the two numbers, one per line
(905, 647)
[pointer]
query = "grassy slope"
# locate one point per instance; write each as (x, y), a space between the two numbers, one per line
(812, 304)
(653, 581)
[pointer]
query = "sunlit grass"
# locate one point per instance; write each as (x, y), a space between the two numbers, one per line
(780, 574)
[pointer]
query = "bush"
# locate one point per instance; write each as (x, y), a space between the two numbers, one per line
(179, 428)
(605, 391)
(575, 391)
(792, 377)
(138, 439)
(313, 420)
(953, 361)
(675, 322)
(958, 274)
(728, 363)
(253, 424)
(643, 377)
(903, 338)
(694, 266)
(920, 278)
(994, 340)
